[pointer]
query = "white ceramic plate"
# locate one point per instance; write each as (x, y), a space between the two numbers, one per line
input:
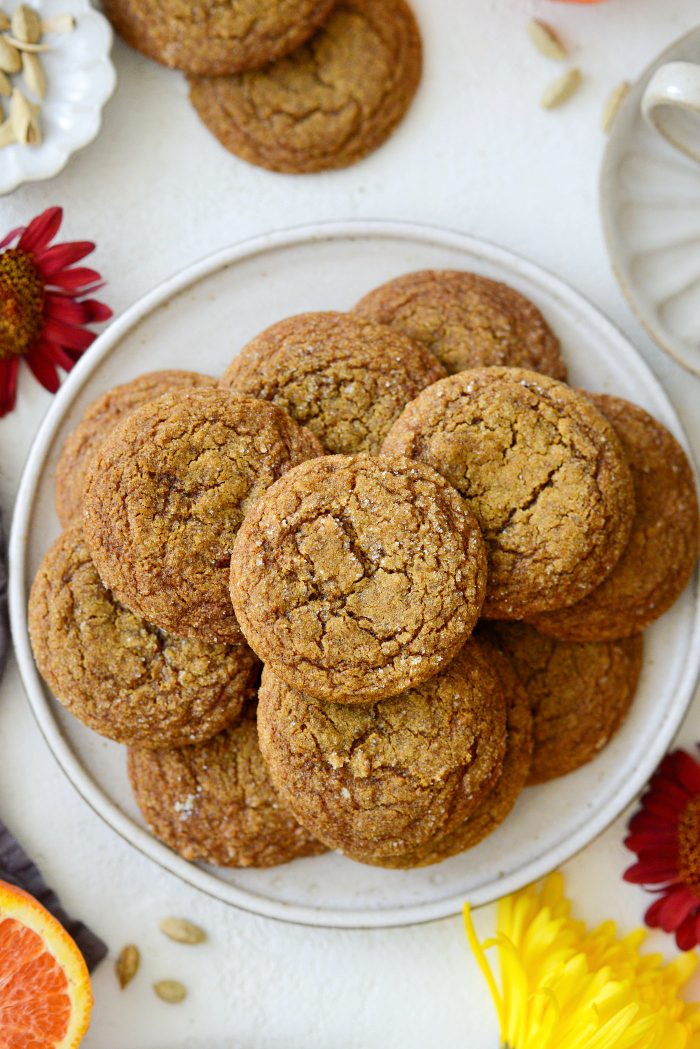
(200, 319)
(650, 205)
(80, 78)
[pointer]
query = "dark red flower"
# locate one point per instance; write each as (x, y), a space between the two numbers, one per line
(665, 834)
(42, 310)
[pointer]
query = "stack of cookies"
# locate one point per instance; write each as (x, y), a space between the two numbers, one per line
(361, 591)
(293, 86)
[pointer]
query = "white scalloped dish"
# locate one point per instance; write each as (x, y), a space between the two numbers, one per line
(80, 78)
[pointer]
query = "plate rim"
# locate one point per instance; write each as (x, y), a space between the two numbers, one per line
(666, 341)
(141, 839)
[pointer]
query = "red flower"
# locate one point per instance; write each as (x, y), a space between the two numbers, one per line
(42, 312)
(665, 834)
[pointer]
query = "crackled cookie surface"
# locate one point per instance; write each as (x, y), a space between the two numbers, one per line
(328, 104)
(356, 577)
(215, 802)
(346, 378)
(663, 548)
(467, 321)
(375, 780)
(579, 693)
(543, 472)
(215, 37)
(166, 493)
(121, 676)
(501, 797)
(99, 419)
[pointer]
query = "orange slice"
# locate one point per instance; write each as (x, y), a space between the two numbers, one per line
(45, 993)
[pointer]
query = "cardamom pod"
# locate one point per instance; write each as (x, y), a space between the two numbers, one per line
(546, 40)
(34, 75)
(58, 24)
(561, 89)
(5, 85)
(182, 931)
(24, 117)
(7, 134)
(171, 991)
(615, 99)
(23, 45)
(10, 58)
(127, 964)
(26, 24)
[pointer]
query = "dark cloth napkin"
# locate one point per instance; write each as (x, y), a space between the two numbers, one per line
(15, 865)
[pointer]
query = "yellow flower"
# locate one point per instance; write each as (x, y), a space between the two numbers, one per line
(563, 986)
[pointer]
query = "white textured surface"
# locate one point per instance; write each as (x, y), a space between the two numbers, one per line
(155, 192)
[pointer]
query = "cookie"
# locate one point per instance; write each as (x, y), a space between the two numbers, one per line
(379, 779)
(357, 577)
(216, 37)
(579, 693)
(543, 472)
(120, 676)
(100, 417)
(166, 493)
(346, 378)
(330, 103)
(467, 321)
(500, 799)
(215, 802)
(663, 547)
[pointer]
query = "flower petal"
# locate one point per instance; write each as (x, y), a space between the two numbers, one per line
(43, 369)
(687, 771)
(79, 279)
(57, 354)
(65, 308)
(98, 311)
(675, 908)
(11, 235)
(41, 230)
(60, 256)
(69, 336)
(8, 385)
(647, 872)
(686, 936)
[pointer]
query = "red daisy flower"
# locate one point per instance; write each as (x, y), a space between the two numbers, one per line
(42, 311)
(665, 834)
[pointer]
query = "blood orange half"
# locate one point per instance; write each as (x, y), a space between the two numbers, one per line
(45, 993)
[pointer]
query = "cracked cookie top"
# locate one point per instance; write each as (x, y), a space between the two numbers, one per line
(215, 37)
(501, 797)
(378, 779)
(356, 577)
(663, 548)
(579, 693)
(467, 321)
(98, 419)
(346, 378)
(328, 104)
(166, 493)
(121, 676)
(215, 801)
(544, 473)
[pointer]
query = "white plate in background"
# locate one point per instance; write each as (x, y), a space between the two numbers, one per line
(199, 319)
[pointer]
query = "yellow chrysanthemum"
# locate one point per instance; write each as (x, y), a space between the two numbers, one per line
(563, 986)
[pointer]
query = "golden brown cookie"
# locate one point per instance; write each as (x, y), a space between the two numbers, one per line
(346, 378)
(166, 493)
(215, 802)
(102, 416)
(216, 37)
(330, 103)
(357, 577)
(579, 693)
(467, 321)
(379, 779)
(543, 472)
(663, 547)
(121, 676)
(500, 799)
